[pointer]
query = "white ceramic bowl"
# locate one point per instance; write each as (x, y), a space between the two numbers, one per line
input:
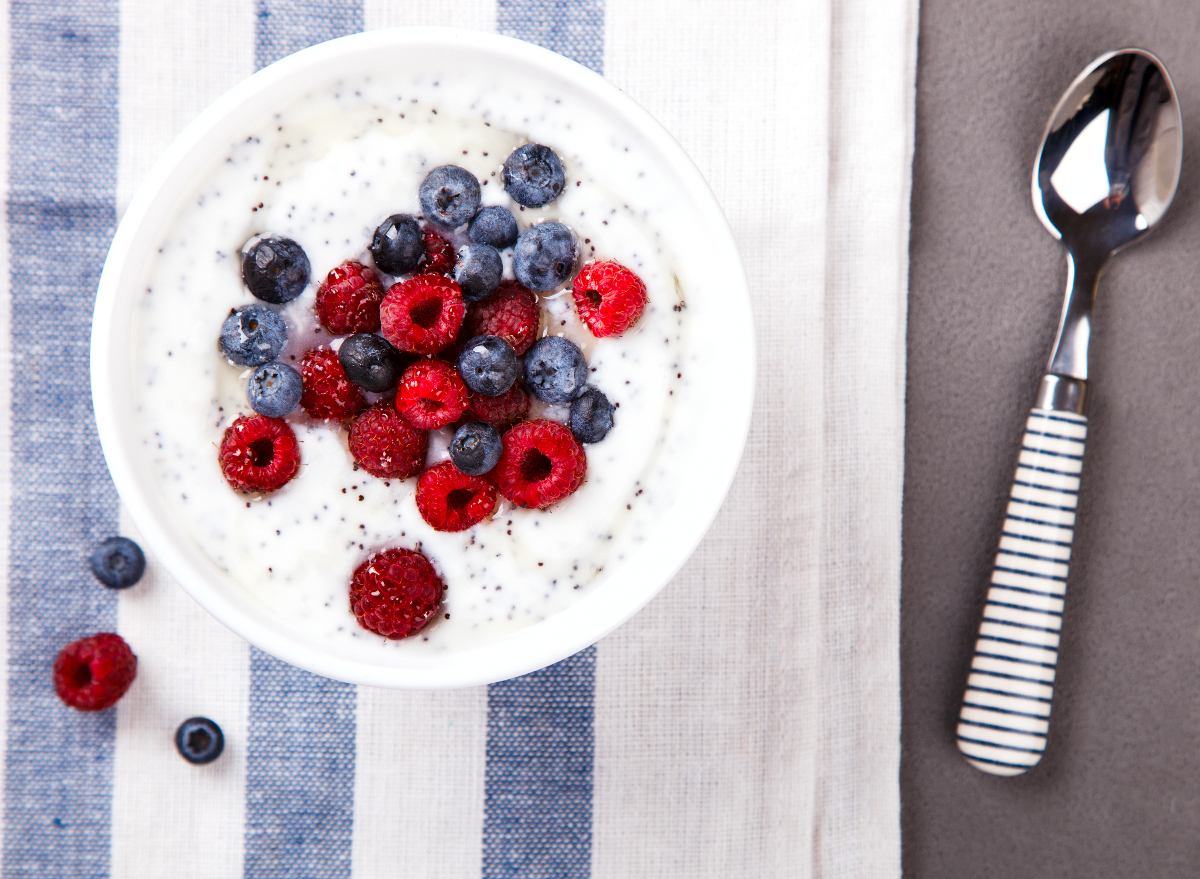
(713, 417)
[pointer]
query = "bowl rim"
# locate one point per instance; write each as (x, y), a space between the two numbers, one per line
(566, 631)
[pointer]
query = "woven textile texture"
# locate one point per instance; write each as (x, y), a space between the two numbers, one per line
(745, 723)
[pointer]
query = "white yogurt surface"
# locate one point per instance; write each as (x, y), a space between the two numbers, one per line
(325, 172)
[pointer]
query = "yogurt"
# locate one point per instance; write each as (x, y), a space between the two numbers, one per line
(325, 171)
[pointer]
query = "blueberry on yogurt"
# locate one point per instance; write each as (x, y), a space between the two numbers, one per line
(476, 448)
(252, 335)
(591, 415)
(397, 246)
(449, 196)
(533, 175)
(488, 365)
(555, 370)
(274, 390)
(371, 362)
(494, 225)
(545, 256)
(275, 269)
(477, 270)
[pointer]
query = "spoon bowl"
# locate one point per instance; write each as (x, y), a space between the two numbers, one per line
(1105, 174)
(1111, 155)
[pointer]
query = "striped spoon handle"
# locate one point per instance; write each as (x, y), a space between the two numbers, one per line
(1006, 708)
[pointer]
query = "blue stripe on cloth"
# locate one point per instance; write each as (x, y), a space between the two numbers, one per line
(62, 213)
(537, 811)
(301, 748)
(299, 773)
(285, 26)
(537, 818)
(574, 28)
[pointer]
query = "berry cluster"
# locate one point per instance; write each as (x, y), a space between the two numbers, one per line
(431, 337)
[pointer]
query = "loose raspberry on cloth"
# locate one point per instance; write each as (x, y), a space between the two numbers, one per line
(91, 674)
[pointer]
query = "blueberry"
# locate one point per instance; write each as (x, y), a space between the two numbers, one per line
(533, 175)
(397, 246)
(371, 363)
(117, 562)
(274, 389)
(555, 371)
(494, 225)
(252, 335)
(199, 740)
(449, 195)
(591, 415)
(477, 270)
(545, 256)
(275, 269)
(476, 448)
(488, 365)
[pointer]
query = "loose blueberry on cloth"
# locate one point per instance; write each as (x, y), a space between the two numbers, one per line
(199, 740)
(117, 562)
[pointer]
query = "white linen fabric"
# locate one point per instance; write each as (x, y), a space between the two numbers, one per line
(747, 722)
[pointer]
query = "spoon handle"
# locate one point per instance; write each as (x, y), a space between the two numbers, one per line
(1006, 708)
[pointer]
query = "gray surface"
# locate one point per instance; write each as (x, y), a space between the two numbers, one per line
(1118, 791)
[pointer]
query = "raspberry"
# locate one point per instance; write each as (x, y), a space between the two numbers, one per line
(511, 313)
(395, 592)
(608, 297)
(541, 464)
(439, 253)
(422, 314)
(91, 674)
(328, 393)
(500, 412)
(258, 453)
(450, 500)
(431, 394)
(385, 444)
(348, 300)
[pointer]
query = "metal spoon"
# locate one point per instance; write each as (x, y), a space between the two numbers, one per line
(1104, 176)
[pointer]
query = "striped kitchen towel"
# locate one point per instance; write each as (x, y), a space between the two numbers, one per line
(745, 723)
